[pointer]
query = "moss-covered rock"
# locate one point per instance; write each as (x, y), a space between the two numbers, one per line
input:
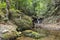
(30, 33)
(11, 35)
(21, 20)
(8, 31)
(24, 23)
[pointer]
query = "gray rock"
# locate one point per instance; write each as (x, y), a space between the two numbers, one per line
(5, 29)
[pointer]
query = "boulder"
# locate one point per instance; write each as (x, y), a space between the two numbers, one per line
(21, 20)
(30, 33)
(8, 31)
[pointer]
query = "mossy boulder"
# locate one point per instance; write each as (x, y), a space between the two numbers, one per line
(25, 23)
(30, 33)
(21, 20)
(11, 35)
(8, 31)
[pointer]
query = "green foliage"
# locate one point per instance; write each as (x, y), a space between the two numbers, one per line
(2, 5)
(41, 7)
(31, 7)
(12, 4)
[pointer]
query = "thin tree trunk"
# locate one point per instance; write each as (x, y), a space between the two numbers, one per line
(7, 8)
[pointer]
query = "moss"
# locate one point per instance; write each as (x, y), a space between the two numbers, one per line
(21, 20)
(11, 35)
(24, 23)
(30, 33)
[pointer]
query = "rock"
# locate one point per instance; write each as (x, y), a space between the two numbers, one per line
(11, 35)
(24, 24)
(5, 29)
(30, 33)
(22, 21)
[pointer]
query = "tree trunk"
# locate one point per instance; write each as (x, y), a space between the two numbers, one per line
(7, 8)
